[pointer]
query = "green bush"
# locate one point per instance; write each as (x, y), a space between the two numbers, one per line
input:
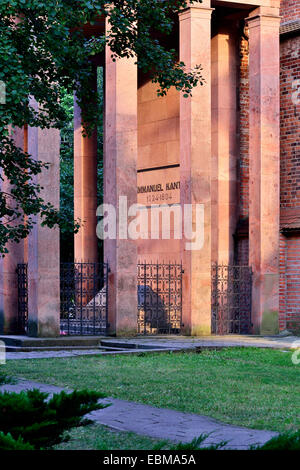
(42, 422)
(195, 444)
(7, 442)
(285, 441)
(5, 379)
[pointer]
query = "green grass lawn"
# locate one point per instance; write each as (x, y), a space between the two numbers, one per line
(98, 437)
(257, 388)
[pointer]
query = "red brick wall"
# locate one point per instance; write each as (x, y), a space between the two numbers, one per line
(244, 130)
(289, 10)
(290, 122)
(289, 294)
(282, 282)
(242, 245)
(242, 255)
(289, 313)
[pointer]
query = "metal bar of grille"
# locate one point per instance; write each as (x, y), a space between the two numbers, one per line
(22, 278)
(84, 298)
(145, 297)
(231, 299)
(159, 298)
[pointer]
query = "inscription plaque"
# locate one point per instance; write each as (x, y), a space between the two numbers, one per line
(158, 186)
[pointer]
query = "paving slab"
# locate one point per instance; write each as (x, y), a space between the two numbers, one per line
(161, 423)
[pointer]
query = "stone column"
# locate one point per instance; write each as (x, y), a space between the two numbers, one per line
(224, 144)
(8, 264)
(43, 242)
(264, 167)
(120, 162)
(85, 189)
(195, 165)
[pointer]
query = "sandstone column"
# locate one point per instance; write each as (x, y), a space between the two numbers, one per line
(195, 165)
(120, 161)
(43, 242)
(8, 264)
(264, 167)
(224, 144)
(85, 188)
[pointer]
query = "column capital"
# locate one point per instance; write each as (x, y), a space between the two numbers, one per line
(198, 10)
(199, 4)
(268, 15)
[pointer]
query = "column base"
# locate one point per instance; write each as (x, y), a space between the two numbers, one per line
(269, 323)
(47, 329)
(124, 332)
(201, 330)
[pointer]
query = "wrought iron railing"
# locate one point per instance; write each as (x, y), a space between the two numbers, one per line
(83, 298)
(231, 299)
(22, 278)
(159, 298)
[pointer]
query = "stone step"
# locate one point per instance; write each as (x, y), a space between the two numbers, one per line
(59, 342)
(60, 348)
(130, 345)
(78, 343)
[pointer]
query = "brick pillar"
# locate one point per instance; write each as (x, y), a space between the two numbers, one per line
(120, 161)
(224, 143)
(8, 264)
(264, 167)
(195, 165)
(85, 188)
(43, 242)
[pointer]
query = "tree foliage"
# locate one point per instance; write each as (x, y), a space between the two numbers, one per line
(44, 53)
(31, 417)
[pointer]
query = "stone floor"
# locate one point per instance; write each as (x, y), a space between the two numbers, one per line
(162, 423)
(165, 343)
(189, 342)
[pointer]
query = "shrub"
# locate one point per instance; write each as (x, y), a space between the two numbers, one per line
(7, 442)
(42, 422)
(5, 379)
(195, 444)
(285, 441)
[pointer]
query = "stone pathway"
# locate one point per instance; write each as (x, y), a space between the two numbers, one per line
(161, 423)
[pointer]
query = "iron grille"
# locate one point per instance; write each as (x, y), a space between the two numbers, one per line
(22, 277)
(159, 298)
(84, 298)
(231, 299)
